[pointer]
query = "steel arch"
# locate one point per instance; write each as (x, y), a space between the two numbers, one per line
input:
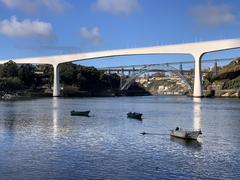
(148, 68)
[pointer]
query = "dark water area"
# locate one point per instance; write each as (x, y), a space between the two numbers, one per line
(40, 140)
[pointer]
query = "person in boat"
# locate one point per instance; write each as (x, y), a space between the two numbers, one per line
(177, 128)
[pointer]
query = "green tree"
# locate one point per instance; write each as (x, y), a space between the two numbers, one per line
(10, 84)
(47, 77)
(9, 69)
(26, 74)
(68, 73)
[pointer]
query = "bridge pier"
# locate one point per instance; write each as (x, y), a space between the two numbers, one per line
(122, 78)
(181, 68)
(215, 68)
(197, 91)
(56, 80)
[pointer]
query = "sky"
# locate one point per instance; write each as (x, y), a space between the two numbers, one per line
(51, 27)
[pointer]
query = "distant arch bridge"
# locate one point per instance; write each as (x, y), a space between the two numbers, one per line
(125, 83)
(135, 71)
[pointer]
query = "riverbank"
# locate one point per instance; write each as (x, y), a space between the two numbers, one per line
(27, 94)
(31, 95)
(231, 93)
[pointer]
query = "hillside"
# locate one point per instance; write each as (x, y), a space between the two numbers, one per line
(229, 75)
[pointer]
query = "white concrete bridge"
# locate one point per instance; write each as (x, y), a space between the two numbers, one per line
(197, 50)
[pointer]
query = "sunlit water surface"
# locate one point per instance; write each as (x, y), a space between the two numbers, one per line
(40, 140)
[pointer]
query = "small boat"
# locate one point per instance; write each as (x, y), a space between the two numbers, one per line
(134, 115)
(185, 134)
(80, 113)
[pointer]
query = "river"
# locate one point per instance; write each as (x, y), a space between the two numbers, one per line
(40, 140)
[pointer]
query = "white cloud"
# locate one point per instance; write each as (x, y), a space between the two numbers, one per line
(91, 35)
(117, 7)
(32, 6)
(20, 4)
(56, 6)
(213, 15)
(25, 28)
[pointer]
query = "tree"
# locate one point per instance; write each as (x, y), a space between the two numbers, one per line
(10, 84)
(68, 73)
(47, 77)
(26, 74)
(9, 69)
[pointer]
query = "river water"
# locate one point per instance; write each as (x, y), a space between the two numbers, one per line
(40, 140)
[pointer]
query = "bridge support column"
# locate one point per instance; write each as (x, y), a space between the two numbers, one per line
(197, 91)
(56, 82)
(181, 68)
(215, 68)
(122, 78)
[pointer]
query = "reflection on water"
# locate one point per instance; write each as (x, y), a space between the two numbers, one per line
(197, 113)
(55, 112)
(9, 122)
(192, 144)
(10, 117)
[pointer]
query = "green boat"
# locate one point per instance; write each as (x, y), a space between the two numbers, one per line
(80, 113)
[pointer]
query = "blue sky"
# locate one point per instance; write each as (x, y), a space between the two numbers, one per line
(49, 27)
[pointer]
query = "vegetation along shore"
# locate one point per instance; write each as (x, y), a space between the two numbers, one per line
(21, 81)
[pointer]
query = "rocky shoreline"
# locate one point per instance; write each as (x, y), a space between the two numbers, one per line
(231, 93)
(9, 96)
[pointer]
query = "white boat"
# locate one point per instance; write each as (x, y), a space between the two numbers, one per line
(185, 134)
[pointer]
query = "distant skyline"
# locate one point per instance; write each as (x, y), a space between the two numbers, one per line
(51, 27)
